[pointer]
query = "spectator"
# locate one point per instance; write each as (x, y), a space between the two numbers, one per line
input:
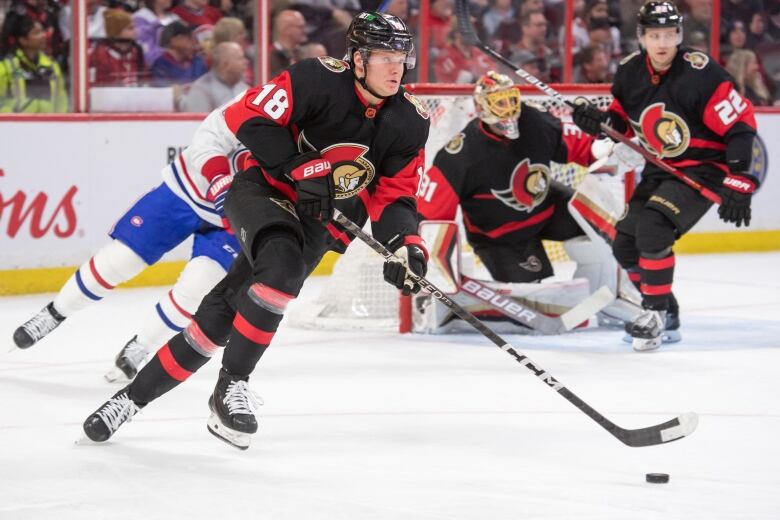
(311, 50)
(698, 41)
(533, 27)
(95, 22)
(774, 21)
(149, 22)
(743, 65)
(593, 65)
(736, 37)
(757, 34)
(741, 10)
(230, 29)
(601, 33)
(460, 63)
(222, 83)
(698, 18)
(399, 8)
(439, 20)
(118, 60)
(197, 12)
(530, 63)
(46, 12)
(289, 33)
(499, 11)
(30, 80)
(179, 64)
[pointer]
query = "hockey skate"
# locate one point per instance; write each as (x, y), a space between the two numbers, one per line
(670, 334)
(647, 330)
(107, 419)
(233, 405)
(38, 327)
(129, 361)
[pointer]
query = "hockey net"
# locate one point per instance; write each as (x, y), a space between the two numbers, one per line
(355, 296)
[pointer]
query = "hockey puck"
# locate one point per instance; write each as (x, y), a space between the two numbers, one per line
(657, 478)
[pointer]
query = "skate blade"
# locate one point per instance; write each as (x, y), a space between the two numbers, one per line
(645, 345)
(228, 435)
(669, 336)
(116, 376)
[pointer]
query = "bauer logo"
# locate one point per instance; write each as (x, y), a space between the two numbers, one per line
(38, 214)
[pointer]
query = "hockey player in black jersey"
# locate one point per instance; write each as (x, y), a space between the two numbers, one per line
(498, 170)
(686, 109)
(325, 133)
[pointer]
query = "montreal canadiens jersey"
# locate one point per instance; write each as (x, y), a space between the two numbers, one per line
(214, 151)
(376, 153)
(501, 185)
(686, 115)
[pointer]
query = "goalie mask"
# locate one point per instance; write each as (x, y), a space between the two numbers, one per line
(497, 101)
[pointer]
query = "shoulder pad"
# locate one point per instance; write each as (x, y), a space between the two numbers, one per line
(697, 60)
(332, 64)
(629, 57)
(456, 143)
(418, 105)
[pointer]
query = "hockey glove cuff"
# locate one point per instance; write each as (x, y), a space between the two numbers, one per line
(736, 194)
(313, 185)
(412, 257)
(216, 194)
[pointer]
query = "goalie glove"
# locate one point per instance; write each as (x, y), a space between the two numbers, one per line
(216, 194)
(313, 185)
(736, 193)
(412, 257)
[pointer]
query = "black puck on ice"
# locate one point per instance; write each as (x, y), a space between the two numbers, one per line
(657, 478)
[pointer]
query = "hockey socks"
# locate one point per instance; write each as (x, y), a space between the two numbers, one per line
(657, 275)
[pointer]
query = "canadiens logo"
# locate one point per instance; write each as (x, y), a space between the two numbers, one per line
(417, 104)
(332, 64)
(528, 186)
(662, 132)
(698, 60)
(456, 144)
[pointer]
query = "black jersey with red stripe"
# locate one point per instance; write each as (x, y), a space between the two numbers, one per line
(691, 115)
(502, 185)
(376, 152)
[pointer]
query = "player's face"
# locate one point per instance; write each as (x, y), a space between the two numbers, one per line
(384, 71)
(661, 45)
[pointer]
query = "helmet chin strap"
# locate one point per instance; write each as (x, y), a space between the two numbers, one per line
(364, 84)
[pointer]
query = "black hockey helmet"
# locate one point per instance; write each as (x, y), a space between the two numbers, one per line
(371, 30)
(659, 14)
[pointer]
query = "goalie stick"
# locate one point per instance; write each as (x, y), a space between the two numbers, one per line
(671, 430)
(466, 30)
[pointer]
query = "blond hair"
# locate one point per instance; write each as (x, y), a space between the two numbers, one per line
(737, 65)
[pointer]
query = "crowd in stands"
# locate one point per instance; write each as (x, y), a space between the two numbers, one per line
(203, 49)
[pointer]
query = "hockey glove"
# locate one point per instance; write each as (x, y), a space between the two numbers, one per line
(216, 194)
(735, 196)
(313, 185)
(411, 257)
(588, 117)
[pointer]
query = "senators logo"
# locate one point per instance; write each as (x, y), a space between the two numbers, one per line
(351, 170)
(332, 64)
(698, 60)
(417, 104)
(528, 187)
(662, 132)
(456, 144)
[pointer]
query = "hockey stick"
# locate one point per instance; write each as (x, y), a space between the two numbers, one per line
(532, 318)
(672, 430)
(470, 37)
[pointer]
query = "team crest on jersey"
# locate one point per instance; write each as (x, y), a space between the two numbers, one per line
(456, 144)
(417, 104)
(528, 186)
(698, 60)
(661, 131)
(350, 169)
(332, 64)
(285, 205)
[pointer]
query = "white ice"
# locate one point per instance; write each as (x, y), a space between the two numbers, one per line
(377, 426)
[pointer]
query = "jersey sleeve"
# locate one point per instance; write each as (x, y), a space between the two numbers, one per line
(573, 145)
(263, 117)
(212, 144)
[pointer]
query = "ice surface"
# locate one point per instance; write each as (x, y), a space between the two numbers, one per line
(377, 426)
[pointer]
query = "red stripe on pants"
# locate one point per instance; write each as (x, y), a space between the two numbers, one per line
(251, 332)
(171, 366)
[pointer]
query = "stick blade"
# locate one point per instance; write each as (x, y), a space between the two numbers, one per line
(673, 430)
(465, 26)
(590, 306)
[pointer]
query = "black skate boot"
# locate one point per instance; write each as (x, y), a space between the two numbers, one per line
(672, 331)
(647, 330)
(107, 419)
(37, 327)
(233, 405)
(129, 361)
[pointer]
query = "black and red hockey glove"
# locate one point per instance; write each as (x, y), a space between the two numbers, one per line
(588, 117)
(216, 193)
(313, 185)
(735, 195)
(412, 256)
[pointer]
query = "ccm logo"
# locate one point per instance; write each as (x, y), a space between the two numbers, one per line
(314, 169)
(739, 185)
(501, 302)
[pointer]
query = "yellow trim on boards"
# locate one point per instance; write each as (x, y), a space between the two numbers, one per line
(28, 281)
